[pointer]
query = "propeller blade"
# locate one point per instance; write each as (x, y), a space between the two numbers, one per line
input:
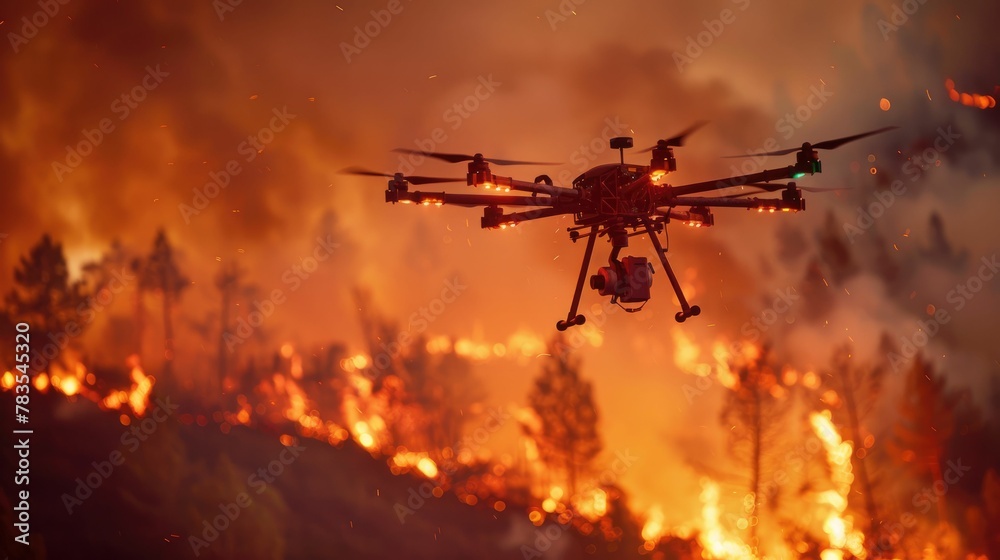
(824, 145)
(677, 141)
(415, 179)
(458, 158)
(831, 144)
(365, 172)
(774, 153)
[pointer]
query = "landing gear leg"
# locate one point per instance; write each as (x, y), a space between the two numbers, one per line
(573, 318)
(686, 310)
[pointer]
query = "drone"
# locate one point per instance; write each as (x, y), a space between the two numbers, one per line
(617, 201)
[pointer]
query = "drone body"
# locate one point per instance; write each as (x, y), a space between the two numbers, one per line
(617, 201)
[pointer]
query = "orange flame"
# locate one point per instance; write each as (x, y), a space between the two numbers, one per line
(713, 538)
(838, 528)
(653, 528)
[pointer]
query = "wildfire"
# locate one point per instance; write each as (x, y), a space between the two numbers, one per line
(365, 414)
(77, 381)
(405, 460)
(520, 346)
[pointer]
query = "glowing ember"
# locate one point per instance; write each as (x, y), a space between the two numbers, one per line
(68, 385)
(969, 99)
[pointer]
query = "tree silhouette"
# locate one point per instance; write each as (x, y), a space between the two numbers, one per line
(444, 387)
(430, 394)
(754, 416)
(227, 281)
(924, 424)
(860, 387)
(43, 294)
(161, 274)
(940, 249)
(834, 251)
(566, 436)
(118, 268)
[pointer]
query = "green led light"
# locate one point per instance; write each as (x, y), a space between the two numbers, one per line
(797, 175)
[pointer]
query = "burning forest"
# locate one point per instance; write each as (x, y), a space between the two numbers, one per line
(218, 344)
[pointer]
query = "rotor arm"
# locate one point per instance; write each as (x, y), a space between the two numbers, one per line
(784, 204)
(493, 217)
(767, 175)
(467, 200)
(509, 183)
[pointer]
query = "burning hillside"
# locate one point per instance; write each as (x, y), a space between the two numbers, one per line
(812, 462)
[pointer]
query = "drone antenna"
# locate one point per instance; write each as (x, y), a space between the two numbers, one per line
(620, 143)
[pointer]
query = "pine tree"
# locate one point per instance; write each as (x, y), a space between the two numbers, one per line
(43, 293)
(444, 388)
(754, 417)
(834, 251)
(227, 281)
(925, 422)
(116, 273)
(940, 249)
(161, 274)
(430, 394)
(567, 436)
(860, 387)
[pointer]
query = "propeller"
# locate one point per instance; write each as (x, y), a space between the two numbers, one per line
(676, 141)
(773, 187)
(824, 145)
(415, 180)
(458, 158)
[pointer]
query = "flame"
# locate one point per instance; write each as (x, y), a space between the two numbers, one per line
(592, 504)
(142, 384)
(77, 381)
(838, 528)
(687, 357)
(713, 538)
(652, 530)
(520, 346)
(405, 460)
